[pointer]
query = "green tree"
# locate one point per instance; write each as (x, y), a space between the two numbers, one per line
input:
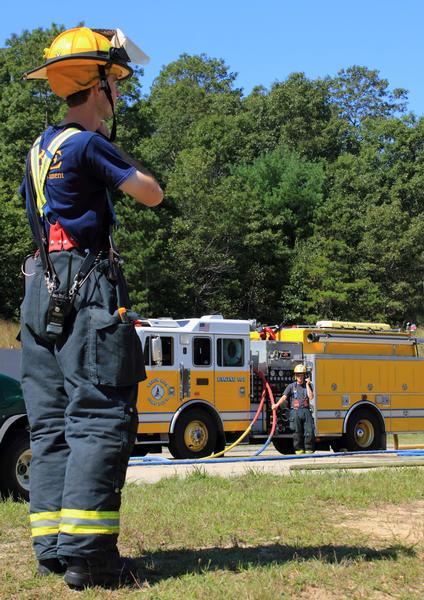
(364, 259)
(359, 93)
(182, 94)
(300, 113)
(300, 202)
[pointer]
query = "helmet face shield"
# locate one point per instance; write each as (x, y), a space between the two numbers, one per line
(134, 53)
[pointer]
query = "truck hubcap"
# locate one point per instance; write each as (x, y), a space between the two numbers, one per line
(364, 433)
(196, 436)
(22, 469)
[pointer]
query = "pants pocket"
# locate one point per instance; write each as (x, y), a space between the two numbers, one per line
(295, 424)
(129, 433)
(35, 306)
(115, 354)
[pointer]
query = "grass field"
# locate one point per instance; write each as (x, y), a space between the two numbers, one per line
(310, 536)
(407, 439)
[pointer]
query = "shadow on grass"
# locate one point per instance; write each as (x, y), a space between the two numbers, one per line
(156, 566)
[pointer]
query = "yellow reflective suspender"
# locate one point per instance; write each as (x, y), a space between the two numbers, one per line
(40, 167)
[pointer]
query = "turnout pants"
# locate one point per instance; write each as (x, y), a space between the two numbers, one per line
(302, 424)
(80, 392)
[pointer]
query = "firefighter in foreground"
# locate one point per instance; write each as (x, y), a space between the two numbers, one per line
(298, 397)
(81, 356)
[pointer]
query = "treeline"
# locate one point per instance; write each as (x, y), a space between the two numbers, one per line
(299, 202)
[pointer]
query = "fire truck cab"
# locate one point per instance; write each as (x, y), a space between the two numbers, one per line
(197, 392)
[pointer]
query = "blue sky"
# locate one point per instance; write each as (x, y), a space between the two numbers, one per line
(263, 41)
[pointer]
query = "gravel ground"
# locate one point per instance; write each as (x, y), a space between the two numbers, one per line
(153, 473)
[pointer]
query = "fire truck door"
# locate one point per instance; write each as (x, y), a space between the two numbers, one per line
(159, 394)
(232, 387)
(196, 368)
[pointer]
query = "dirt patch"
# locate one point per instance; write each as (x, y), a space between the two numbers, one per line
(401, 523)
(318, 594)
(324, 594)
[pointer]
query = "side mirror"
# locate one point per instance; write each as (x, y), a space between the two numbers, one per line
(157, 350)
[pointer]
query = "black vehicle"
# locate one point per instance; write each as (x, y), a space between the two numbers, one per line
(15, 453)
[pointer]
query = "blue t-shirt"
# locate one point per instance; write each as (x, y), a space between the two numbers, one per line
(83, 168)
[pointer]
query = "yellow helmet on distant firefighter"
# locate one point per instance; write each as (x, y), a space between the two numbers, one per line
(299, 369)
(75, 55)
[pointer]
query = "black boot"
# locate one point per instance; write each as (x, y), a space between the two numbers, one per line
(108, 574)
(50, 565)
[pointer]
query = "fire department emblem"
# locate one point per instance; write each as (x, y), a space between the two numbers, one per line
(157, 392)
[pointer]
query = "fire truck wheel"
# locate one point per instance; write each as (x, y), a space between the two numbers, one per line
(14, 471)
(284, 445)
(194, 435)
(363, 432)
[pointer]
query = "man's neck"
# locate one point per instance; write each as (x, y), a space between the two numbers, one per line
(81, 116)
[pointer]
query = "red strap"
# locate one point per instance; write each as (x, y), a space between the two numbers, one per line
(59, 239)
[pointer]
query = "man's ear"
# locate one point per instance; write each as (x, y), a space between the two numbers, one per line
(96, 89)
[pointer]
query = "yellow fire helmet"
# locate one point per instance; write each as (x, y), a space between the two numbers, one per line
(300, 369)
(75, 55)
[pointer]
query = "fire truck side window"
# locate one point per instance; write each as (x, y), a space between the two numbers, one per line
(147, 350)
(230, 352)
(167, 351)
(202, 351)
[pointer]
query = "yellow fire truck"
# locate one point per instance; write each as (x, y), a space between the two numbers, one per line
(202, 389)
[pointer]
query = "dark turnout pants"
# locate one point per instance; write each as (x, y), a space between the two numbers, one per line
(302, 424)
(80, 392)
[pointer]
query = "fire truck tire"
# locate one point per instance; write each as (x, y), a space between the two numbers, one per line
(284, 445)
(14, 470)
(195, 435)
(220, 443)
(363, 432)
(338, 445)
